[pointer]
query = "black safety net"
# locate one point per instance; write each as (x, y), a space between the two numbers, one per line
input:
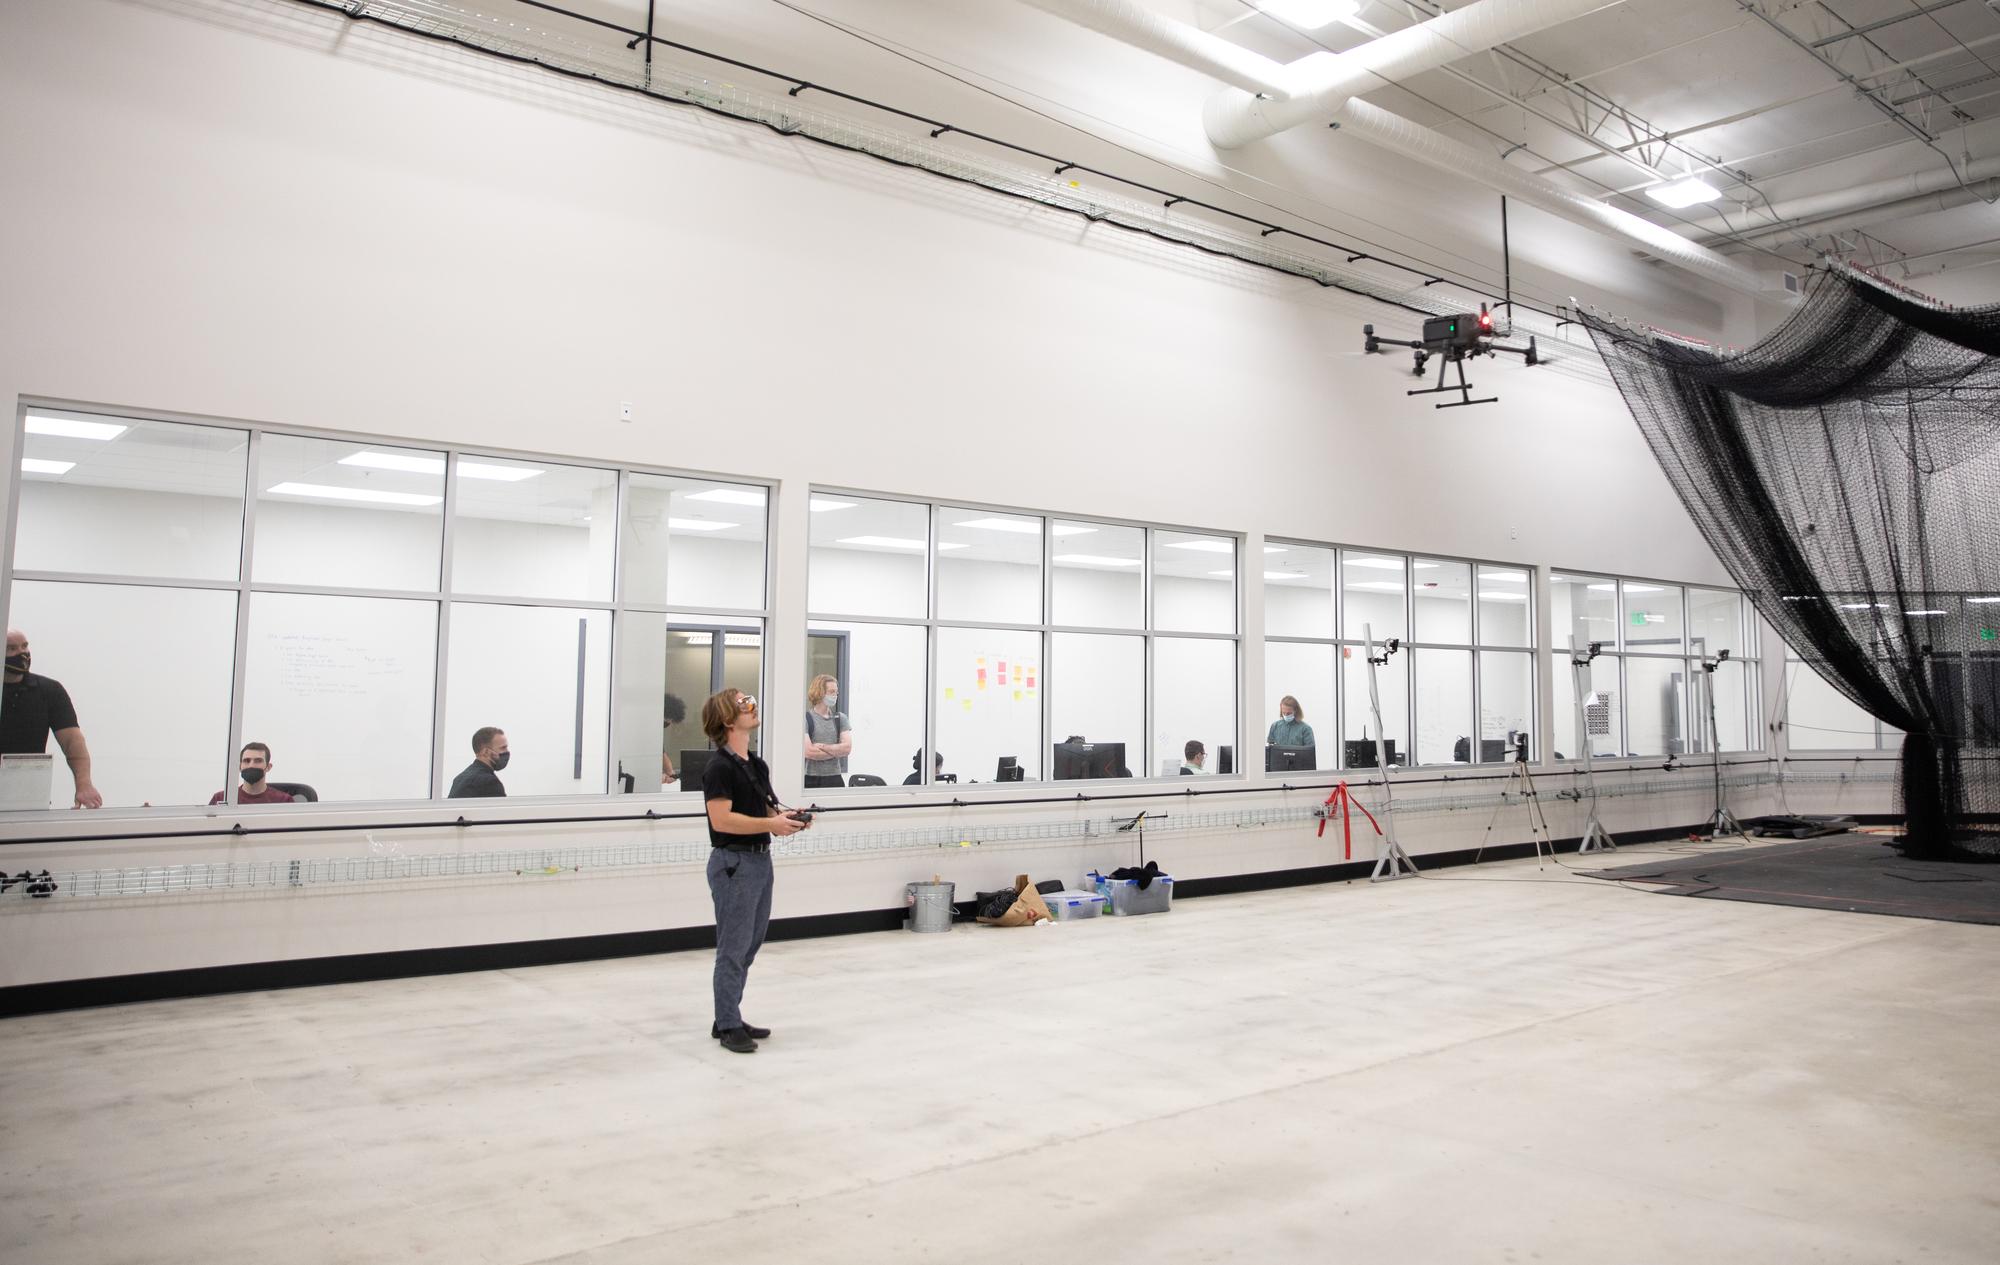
(1846, 470)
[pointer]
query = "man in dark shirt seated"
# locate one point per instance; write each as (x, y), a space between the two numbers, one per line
(489, 756)
(255, 763)
(33, 707)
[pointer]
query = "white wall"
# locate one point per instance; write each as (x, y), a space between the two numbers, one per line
(329, 227)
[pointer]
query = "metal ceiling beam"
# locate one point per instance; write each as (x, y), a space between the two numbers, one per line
(1845, 77)
(1888, 21)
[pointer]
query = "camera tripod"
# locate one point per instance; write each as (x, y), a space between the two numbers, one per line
(1521, 782)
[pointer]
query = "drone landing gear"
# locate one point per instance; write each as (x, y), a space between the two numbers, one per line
(1464, 388)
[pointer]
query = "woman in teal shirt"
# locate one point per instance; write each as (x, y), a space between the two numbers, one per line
(1290, 729)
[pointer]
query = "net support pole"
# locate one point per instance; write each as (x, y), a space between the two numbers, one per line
(1390, 859)
(1723, 822)
(1595, 837)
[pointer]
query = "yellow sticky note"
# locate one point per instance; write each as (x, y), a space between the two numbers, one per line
(968, 704)
(1017, 696)
(949, 692)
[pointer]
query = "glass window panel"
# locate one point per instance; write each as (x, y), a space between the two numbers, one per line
(1298, 592)
(1194, 696)
(1652, 622)
(693, 542)
(1357, 721)
(540, 673)
(157, 722)
(1103, 697)
(1506, 704)
(1818, 717)
(989, 566)
(1442, 596)
(1506, 613)
(668, 666)
(348, 514)
(1584, 607)
(532, 529)
(1373, 588)
(1715, 622)
(119, 496)
(1656, 715)
(880, 670)
(1604, 707)
(868, 557)
(1099, 579)
(989, 703)
(341, 690)
(1305, 672)
(1194, 582)
(1444, 705)
(1732, 717)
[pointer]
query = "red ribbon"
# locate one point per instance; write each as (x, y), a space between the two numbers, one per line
(1342, 797)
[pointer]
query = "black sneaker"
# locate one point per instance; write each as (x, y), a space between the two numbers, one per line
(737, 1041)
(755, 1032)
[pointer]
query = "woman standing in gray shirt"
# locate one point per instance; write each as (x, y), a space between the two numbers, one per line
(828, 736)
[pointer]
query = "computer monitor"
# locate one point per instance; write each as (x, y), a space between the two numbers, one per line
(1225, 759)
(1361, 752)
(691, 767)
(1076, 760)
(1010, 770)
(1492, 750)
(1289, 759)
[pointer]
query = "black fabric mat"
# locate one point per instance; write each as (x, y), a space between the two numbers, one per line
(1856, 873)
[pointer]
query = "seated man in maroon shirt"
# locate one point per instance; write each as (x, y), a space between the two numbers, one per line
(255, 761)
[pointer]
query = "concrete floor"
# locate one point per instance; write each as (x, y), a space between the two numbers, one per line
(1495, 1065)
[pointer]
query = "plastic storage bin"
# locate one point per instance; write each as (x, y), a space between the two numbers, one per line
(1124, 896)
(1069, 906)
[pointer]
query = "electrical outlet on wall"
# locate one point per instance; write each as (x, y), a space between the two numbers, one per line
(625, 411)
(1513, 532)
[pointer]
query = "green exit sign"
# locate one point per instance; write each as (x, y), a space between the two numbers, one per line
(1988, 634)
(1639, 619)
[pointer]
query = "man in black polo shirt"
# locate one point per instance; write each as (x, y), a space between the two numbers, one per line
(743, 814)
(33, 707)
(489, 755)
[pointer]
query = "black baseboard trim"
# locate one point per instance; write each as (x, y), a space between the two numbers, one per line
(356, 968)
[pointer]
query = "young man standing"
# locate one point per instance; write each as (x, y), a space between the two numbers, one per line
(743, 814)
(255, 763)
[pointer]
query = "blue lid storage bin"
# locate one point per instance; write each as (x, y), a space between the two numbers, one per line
(1125, 896)
(1069, 906)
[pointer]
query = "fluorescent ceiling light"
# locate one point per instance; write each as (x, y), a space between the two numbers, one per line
(1203, 546)
(64, 428)
(1506, 577)
(696, 524)
(1641, 588)
(723, 496)
(1861, 606)
(1923, 612)
(410, 463)
(1484, 596)
(1225, 574)
(1604, 588)
(1070, 529)
(1274, 549)
(325, 493)
(700, 639)
(1683, 193)
(1022, 526)
(1384, 586)
(821, 504)
(1285, 575)
(1374, 564)
(895, 542)
(36, 465)
(1982, 601)
(1308, 15)
(1093, 560)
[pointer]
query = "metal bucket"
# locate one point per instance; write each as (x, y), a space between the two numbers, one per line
(930, 906)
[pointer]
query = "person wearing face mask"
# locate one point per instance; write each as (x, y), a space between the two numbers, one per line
(743, 815)
(489, 756)
(31, 708)
(828, 736)
(1290, 729)
(254, 762)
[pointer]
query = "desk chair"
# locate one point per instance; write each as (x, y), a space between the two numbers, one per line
(864, 779)
(297, 790)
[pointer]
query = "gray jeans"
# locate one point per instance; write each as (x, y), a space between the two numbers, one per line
(740, 882)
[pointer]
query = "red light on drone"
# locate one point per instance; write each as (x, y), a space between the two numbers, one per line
(1486, 320)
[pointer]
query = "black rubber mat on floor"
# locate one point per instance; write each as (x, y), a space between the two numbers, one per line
(1857, 873)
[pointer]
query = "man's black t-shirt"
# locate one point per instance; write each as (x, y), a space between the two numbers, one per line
(476, 782)
(746, 784)
(31, 709)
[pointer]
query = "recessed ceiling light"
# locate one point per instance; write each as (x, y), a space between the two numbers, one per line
(1021, 526)
(884, 542)
(323, 492)
(1981, 601)
(1682, 193)
(1284, 575)
(1070, 529)
(1227, 575)
(1094, 560)
(1641, 588)
(1308, 15)
(1604, 588)
(728, 496)
(411, 463)
(66, 428)
(1502, 597)
(1385, 586)
(1203, 546)
(696, 524)
(1374, 564)
(37, 465)
(1505, 577)
(821, 504)
(1274, 549)
(1923, 612)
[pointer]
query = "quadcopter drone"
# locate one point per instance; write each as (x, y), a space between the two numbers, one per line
(1453, 338)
